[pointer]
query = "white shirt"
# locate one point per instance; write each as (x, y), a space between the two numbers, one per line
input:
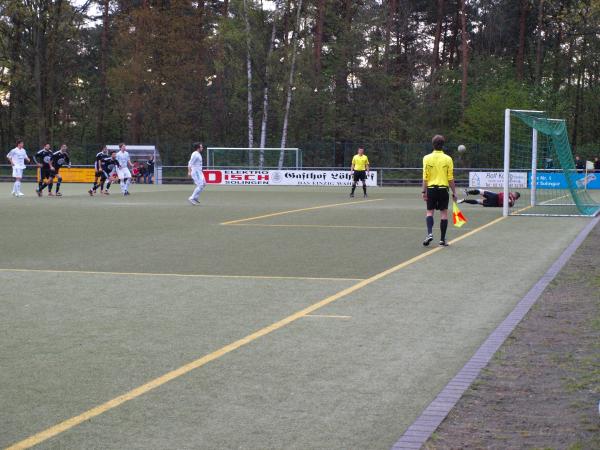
(17, 156)
(195, 161)
(123, 158)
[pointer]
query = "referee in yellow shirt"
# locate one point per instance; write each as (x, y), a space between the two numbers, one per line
(438, 176)
(359, 170)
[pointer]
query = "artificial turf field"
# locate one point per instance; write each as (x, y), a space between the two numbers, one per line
(326, 327)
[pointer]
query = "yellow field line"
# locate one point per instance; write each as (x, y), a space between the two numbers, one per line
(183, 275)
(169, 376)
(328, 316)
(360, 227)
(312, 208)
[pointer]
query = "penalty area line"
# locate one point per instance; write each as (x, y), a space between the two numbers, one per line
(176, 373)
(291, 211)
(352, 227)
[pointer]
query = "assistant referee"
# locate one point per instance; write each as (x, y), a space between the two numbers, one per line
(438, 176)
(359, 170)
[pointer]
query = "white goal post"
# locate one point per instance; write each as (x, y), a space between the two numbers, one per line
(534, 156)
(252, 157)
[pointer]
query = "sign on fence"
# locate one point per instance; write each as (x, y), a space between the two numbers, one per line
(74, 175)
(284, 177)
(496, 180)
(316, 178)
(557, 180)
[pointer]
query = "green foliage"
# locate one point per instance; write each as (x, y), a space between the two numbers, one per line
(483, 118)
(175, 71)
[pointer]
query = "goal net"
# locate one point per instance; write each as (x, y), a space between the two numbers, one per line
(264, 158)
(539, 164)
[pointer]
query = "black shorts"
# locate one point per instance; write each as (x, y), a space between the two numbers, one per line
(490, 199)
(437, 198)
(56, 169)
(46, 172)
(360, 175)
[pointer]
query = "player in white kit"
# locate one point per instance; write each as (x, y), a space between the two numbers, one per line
(195, 172)
(17, 157)
(123, 170)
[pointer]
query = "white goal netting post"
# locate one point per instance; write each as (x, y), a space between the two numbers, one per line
(142, 154)
(251, 158)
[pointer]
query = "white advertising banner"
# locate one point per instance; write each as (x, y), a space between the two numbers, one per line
(496, 180)
(284, 177)
(316, 178)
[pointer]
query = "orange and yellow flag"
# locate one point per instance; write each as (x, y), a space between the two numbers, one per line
(458, 217)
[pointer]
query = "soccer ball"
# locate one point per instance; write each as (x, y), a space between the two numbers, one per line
(462, 148)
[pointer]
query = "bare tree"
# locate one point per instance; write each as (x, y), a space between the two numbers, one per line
(265, 112)
(290, 88)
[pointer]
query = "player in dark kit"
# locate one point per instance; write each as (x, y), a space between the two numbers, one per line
(59, 159)
(490, 199)
(100, 173)
(43, 159)
(109, 166)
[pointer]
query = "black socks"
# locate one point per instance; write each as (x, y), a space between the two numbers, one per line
(429, 220)
(443, 228)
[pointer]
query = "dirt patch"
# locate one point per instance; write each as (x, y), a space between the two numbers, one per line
(542, 388)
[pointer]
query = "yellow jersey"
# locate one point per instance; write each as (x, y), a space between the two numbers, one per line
(438, 169)
(360, 162)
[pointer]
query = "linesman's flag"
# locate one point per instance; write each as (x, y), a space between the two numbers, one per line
(458, 217)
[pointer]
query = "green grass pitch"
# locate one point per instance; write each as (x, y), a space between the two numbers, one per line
(102, 295)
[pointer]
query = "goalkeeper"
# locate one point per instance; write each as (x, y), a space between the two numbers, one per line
(489, 199)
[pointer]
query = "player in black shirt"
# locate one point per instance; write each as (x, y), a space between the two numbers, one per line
(59, 159)
(149, 170)
(109, 166)
(100, 173)
(43, 159)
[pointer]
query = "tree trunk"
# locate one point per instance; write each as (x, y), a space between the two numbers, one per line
(438, 37)
(318, 44)
(521, 49)
(15, 120)
(220, 112)
(265, 112)
(577, 108)
(557, 77)
(391, 12)
(453, 41)
(249, 80)
(538, 50)
(290, 88)
(286, 22)
(465, 54)
(100, 138)
(38, 61)
(579, 94)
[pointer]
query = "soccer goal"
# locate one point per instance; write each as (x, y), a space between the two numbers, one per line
(539, 164)
(142, 154)
(264, 158)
